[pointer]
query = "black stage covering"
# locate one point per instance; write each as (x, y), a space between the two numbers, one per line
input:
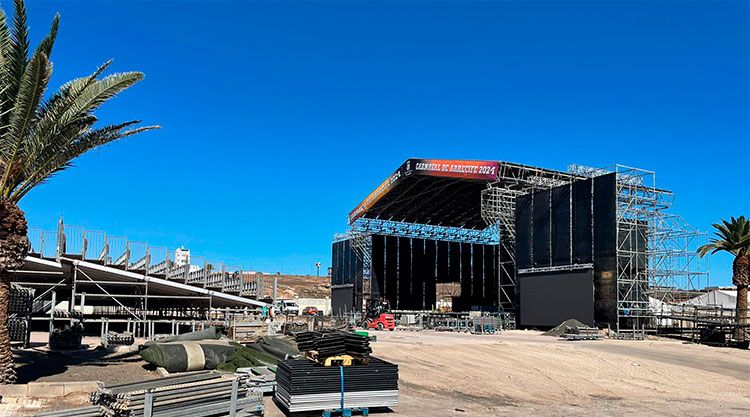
(540, 248)
(431, 200)
(561, 217)
(523, 231)
(549, 298)
(431, 191)
(342, 299)
(405, 271)
(345, 269)
(572, 224)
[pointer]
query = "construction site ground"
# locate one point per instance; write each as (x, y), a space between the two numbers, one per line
(517, 373)
(522, 373)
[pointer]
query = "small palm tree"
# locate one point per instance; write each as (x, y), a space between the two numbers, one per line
(734, 237)
(40, 136)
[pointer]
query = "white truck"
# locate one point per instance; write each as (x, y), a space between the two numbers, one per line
(288, 307)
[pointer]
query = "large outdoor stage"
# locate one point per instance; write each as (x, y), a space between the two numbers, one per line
(598, 245)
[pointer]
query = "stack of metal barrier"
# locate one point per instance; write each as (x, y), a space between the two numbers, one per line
(119, 339)
(20, 303)
(330, 342)
(262, 378)
(93, 411)
(195, 394)
(302, 385)
(20, 300)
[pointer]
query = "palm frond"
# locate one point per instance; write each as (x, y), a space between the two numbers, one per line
(732, 236)
(39, 138)
(45, 46)
(81, 144)
(4, 40)
(32, 88)
(18, 58)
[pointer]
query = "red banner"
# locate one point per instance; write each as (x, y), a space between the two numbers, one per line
(480, 170)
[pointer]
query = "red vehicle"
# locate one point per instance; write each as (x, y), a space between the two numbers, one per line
(310, 311)
(377, 317)
(382, 322)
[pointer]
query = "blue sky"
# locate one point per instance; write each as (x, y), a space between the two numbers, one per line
(279, 117)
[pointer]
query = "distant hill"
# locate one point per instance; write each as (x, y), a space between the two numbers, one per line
(291, 286)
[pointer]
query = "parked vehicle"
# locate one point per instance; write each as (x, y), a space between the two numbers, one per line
(310, 311)
(288, 307)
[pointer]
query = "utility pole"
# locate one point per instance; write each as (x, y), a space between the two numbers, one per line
(275, 285)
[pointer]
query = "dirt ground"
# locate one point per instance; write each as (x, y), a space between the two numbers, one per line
(522, 373)
(40, 364)
(518, 373)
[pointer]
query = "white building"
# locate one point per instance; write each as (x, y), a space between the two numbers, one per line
(182, 256)
(716, 298)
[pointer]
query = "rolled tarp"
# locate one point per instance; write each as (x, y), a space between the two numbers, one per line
(279, 347)
(185, 356)
(209, 333)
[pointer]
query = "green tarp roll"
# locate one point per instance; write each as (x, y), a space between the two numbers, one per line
(188, 355)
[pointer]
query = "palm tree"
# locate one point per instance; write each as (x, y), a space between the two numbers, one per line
(734, 237)
(40, 136)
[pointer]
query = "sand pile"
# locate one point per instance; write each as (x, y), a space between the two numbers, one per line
(560, 329)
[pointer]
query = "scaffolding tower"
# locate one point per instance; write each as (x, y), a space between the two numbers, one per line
(656, 250)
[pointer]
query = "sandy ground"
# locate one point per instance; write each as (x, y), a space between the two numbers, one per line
(521, 373)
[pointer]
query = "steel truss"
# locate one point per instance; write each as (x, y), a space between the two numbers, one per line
(656, 250)
(499, 212)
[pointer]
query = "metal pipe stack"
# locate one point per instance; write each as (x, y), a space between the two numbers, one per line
(93, 411)
(196, 394)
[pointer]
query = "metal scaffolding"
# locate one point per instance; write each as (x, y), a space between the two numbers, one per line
(499, 212)
(109, 279)
(78, 243)
(656, 250)
(656, 259)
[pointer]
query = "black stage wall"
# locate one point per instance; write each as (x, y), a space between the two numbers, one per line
(411, 268)
(571, 224)
(346, 268)
(405, 271)
(549, 298)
